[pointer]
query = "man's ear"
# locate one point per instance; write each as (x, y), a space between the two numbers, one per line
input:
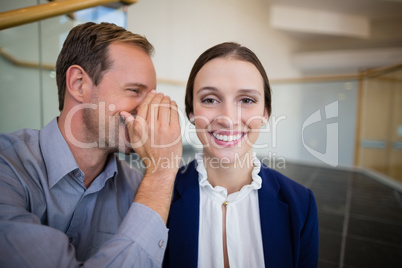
(77, 83)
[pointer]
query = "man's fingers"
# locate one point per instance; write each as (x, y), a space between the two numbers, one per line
(174, 114)
(127, 117)
(164, 110)
(144, 106)
(154, 107)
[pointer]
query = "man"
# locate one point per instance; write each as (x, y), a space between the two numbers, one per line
(65, 198)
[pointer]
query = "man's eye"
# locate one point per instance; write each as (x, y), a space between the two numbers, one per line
(135, 90)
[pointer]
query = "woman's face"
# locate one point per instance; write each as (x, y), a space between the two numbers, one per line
(229, 108)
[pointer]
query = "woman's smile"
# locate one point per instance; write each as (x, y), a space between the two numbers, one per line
(227, 138)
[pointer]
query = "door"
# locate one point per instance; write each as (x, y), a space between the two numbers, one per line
(380, 144)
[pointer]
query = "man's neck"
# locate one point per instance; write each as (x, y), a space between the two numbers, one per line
(91, 162)
(90, 159)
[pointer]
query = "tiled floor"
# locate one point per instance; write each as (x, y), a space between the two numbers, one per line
(360, 219)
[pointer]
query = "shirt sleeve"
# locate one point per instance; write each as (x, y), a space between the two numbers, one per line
(25, 242)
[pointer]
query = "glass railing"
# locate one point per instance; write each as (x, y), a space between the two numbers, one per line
(28, 92)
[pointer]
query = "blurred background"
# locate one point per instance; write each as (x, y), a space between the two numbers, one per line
(335, 69)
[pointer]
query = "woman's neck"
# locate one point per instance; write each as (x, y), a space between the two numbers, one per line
(232, 176)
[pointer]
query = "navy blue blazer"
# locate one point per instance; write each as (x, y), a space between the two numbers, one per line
(288, 215)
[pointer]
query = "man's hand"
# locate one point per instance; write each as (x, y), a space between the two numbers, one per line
(155, 136)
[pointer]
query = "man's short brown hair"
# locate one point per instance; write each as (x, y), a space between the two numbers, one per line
(87, 46)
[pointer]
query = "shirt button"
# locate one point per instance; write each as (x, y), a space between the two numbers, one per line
(161, 243)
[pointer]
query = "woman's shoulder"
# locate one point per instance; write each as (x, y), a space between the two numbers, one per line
(187, 175)
(285, 186)
(187, 169)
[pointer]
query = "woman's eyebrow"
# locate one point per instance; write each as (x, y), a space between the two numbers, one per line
(249, 91)
(207, 88)
(245, 91)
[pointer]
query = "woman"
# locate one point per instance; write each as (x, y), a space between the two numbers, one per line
(229, 209)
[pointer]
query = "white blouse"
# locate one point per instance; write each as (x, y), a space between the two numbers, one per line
(243, 228)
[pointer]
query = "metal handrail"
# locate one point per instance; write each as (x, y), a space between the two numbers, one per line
(25, 15)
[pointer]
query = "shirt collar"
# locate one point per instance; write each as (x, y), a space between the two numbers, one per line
(109, 172)
(59, 159)
(204, 183)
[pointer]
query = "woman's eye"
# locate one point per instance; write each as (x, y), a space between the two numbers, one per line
(209, 101)
(247, 101)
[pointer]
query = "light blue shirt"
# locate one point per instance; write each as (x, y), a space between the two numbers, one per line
(48, 218)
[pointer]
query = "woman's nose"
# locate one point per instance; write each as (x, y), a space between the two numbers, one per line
(229, 117)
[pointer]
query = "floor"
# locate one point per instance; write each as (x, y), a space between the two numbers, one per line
(360, 219)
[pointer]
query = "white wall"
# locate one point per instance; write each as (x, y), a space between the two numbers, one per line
(182, 29)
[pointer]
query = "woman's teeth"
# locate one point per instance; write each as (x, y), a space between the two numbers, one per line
(227, 137)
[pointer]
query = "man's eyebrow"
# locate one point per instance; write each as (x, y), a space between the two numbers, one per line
(140, 85)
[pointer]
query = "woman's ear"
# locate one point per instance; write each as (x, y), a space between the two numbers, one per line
(266, 116)
(76, 79)
(191, 118)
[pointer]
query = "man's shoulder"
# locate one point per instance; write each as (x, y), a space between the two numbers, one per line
(21, 162)
(18, 139)
(19, 149)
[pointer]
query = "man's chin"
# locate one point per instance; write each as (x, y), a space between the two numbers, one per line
(125, 150)
(124, 146)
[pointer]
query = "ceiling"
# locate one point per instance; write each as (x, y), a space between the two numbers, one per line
(381, 45)
(372, 9)
(384, 18)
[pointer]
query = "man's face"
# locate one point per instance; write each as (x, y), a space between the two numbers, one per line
(123, 88)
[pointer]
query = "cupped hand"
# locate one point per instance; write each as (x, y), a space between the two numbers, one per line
(155, 133)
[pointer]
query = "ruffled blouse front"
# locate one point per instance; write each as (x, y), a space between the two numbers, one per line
(243, 229)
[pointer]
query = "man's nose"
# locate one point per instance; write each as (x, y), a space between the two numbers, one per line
(138, 103)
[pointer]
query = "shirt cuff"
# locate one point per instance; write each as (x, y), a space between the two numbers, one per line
(147, 229)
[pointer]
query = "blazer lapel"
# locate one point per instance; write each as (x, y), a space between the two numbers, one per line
(275, 222)
(183, 220)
